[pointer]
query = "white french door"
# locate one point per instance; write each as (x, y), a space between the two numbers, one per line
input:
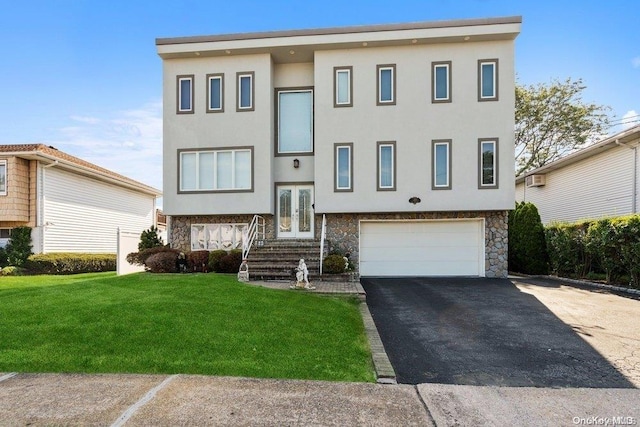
(295, 211)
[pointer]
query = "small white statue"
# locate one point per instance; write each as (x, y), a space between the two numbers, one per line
(243, 273)
(302, 277)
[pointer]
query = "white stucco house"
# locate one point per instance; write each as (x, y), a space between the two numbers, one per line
(401, 136)
(598, 181)
(70, 204)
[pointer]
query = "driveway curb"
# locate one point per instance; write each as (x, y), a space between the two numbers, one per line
(635, 292)
(384, 370)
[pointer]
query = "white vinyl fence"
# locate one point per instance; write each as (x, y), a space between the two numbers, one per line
(127, 243)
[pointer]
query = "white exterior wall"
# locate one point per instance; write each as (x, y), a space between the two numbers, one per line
(596, 187)
(217, 130)
(413, 123)
(81, 214)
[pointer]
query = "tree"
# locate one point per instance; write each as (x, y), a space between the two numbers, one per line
(527, 244)
(150, 239)
(19, 246)
(552, 120)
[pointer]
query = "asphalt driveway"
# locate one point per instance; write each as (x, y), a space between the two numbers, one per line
(481, 332)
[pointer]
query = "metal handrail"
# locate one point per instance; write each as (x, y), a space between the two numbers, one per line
(323, 235)
(256, 229)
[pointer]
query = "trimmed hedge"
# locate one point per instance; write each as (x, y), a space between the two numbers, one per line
(70, 263)
(334, 264)
(163, 262)
(230, 263)
(198, 261)
(214, 259)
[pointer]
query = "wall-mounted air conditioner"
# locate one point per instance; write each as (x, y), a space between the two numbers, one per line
(536, 180)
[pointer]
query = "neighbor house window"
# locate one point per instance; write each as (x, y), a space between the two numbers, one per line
(245, 91)
(295, 121)
(386, 166)
(386, 84)
(488, 163)
(185, 94)
(215, 90)
(488, 80)
(343, 86)
(441, 81)
(3, 177)
(216, 170)
(441, 154)
(343, 178)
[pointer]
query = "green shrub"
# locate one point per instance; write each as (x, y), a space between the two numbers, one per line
(627, 231)
(601, 242)
(566, 248)
(10, 271)
(230, 263)
(19, 247)
(333, 264)
(162, 262)
(527, 244)
(197, 261)
(149, 239)
(4, 259)
(140, 258)
(214, 259)
(70, 263)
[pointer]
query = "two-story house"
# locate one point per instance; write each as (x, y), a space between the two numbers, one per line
(400, 136)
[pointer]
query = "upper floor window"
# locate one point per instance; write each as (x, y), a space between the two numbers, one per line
(441, 154)
(343, 180)
(295, 121)
(245, 91)
(343, 86)
(3, 177)
(441, 81)
(488, 80)
(386, 166)
(488, 163)
(386, 84)
(185, 94)
(215, 93)
(216, 170)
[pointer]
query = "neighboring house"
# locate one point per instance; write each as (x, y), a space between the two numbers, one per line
(71, 205)
(402, 136)
(597, 181)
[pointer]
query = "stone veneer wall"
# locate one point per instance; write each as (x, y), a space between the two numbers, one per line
(343, 234)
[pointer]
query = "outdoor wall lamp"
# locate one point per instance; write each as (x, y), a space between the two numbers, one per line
(296, 163)
(415, 200)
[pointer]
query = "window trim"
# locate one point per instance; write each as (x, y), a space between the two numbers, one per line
(336, 70)
(448, 144)
(180, 152)
(495, 142)
(276, 97)
(482, 62)
(337, 146)
(379, 69)
(179, 79)
(379, 146)
(210, 77)
(239, 76)
(434, 66)
(4, 192)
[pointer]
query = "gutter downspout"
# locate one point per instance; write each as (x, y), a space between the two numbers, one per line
(634, 186)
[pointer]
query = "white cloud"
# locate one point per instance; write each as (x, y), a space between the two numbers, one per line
(127, 142)
(629, 119)
(636, 62)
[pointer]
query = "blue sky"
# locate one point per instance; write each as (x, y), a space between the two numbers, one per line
(84, 76)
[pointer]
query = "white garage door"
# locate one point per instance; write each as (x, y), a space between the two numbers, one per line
(424, 248)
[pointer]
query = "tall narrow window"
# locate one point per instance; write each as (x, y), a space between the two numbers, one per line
(215, 90)
(488, 163)
(343, 155)
(386, 166)
(245, 91)
(441, 81)
(343, 90)
(386, 84)
(185, 94)
(488, 80)
(295, 121)
(441, 154)
(3, 177)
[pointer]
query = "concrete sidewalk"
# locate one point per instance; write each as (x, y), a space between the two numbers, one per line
(159, 400)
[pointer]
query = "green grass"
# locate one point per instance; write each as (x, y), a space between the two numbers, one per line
(166, 323)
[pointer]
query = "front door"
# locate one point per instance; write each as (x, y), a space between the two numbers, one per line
(295, 211)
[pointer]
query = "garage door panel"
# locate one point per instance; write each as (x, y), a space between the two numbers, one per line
(407, 240)
(450, 268)
(442, 254)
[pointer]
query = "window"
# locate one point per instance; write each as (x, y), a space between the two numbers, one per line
(215, 90)
(5, 233)
(343, 87)
(295, 121)
(3, 177)
(488, 80)
(441, 81)
(441, 155)
(488, 163)
(216, 170)
(217, 236)
(386, 166)
(245, 91)
(185, 94)
(343, 155)
(386, 84)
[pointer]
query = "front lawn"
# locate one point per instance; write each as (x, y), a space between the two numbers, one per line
(167, 323)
